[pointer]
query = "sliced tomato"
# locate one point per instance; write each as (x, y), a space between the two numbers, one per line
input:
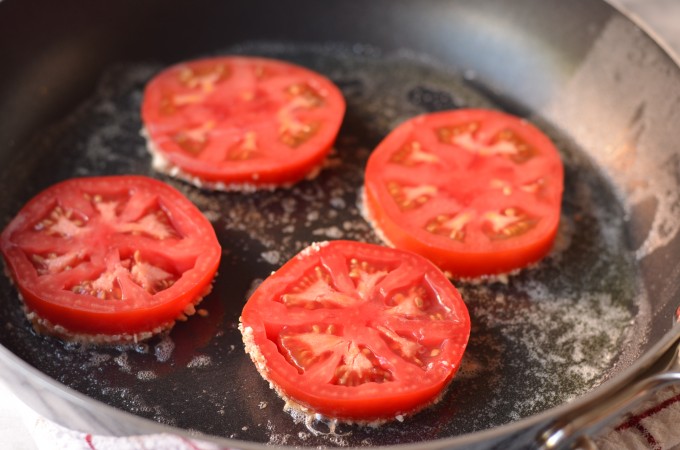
(356, 331)
(118, 255)
(234, 121)
(477, 192)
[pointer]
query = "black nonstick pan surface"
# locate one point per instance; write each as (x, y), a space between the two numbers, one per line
(607, 95)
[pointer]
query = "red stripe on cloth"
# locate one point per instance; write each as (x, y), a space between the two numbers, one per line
(651, 440)
(189, 443)
(88, 439)
(636, 419)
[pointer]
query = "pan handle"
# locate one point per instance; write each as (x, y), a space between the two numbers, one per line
(613, 400)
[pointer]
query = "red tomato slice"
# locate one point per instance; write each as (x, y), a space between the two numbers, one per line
(110, 258)
(237, 122)
(477, 192)
(356, 332)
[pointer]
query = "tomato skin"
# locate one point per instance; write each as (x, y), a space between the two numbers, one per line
(466, 182)
(191, 256)
(408, 385)
(240, 115)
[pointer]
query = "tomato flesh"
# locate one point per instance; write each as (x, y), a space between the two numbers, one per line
(356, 331)
(242, 120)
(478, 192)
(119, 255)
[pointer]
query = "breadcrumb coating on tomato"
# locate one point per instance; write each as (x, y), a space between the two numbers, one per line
(163, 165)
(43, 326)
(314, 247)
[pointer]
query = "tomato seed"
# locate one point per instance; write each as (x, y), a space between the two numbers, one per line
(294, 136)
(522, 151)
(447, 134)
(412, 154)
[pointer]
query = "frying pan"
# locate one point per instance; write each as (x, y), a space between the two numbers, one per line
(594, 319)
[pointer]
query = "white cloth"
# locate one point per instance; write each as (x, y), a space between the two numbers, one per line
(14, 433)
(654, 425)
